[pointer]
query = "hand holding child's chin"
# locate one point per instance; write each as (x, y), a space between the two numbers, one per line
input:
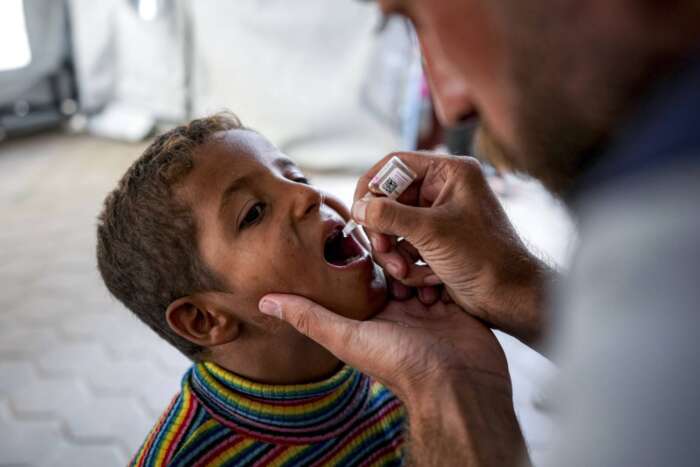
(408, 346)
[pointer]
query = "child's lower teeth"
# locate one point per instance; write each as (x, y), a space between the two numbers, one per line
(351, 259)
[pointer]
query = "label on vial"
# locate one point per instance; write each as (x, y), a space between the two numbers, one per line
(392, 179)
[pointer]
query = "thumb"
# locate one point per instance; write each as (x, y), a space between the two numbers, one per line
(333, 331)
(390, 217)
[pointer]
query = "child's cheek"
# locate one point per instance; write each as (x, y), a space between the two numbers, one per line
(283, 273)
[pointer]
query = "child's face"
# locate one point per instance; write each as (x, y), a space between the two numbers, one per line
(263, 229)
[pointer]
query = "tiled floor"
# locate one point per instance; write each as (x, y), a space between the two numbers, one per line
(81, 380)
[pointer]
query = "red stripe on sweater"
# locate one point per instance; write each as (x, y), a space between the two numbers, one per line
(272, 455)
(384, 451)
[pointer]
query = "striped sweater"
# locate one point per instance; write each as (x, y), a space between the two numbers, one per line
(219, 419)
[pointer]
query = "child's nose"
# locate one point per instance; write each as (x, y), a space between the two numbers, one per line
(307, 199)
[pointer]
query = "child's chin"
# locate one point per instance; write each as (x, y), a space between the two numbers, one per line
(369, 299)
(376, 309)
(377, 299)
(365, 305)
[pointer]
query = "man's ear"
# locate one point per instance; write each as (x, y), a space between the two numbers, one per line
(203, 320)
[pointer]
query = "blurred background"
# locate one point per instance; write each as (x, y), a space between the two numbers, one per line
(84, 85)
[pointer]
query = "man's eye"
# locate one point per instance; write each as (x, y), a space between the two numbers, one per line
(253, 215)
(303, 180)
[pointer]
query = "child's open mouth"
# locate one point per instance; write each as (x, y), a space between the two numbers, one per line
(340, 250)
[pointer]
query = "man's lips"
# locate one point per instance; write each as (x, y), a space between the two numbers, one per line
(339, 251)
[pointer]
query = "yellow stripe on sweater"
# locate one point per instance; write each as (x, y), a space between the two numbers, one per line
(202, 430)
(288, 454)
(231, 452)
(388, 458)
(169, 437)
(273, 388)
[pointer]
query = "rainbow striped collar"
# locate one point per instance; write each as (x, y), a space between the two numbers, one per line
(285, 414)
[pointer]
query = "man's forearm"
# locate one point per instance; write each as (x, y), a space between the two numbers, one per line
(465, 423)
(521, 309)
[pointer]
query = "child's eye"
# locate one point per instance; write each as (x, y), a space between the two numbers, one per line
(253, 215)
(303, 180)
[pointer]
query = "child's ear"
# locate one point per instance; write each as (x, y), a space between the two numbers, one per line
(203, 320)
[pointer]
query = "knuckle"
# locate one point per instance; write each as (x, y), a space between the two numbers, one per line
(472, 162)
(301, 323)
(391, 219)
(348, 336)
(470, 165)
(475, 173)
(304, 319)
(378, 213)
(426, 228)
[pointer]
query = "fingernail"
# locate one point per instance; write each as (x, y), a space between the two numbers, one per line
(393, 268)
(359, 210)
(270, 307)
(432, 280)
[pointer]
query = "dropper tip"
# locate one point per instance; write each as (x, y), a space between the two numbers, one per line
(349, 227)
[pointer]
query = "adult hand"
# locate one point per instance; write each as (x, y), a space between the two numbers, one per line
(452, 220)
(399, 291)
(446, 366)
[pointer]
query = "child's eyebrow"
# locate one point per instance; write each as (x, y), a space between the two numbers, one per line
(236, 185)
(284, 162)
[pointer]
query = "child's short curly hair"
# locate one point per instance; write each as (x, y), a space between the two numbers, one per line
(147, 241)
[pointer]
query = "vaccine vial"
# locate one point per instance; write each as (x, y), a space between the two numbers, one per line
(390, 181)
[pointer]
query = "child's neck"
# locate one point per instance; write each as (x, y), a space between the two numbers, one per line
(273, 362)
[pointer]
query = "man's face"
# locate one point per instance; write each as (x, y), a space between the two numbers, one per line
(547, 79)
(262, 228)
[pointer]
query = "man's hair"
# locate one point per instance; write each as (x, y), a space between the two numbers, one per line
(147, 240)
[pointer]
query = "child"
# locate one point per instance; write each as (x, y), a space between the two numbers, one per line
(208, 220)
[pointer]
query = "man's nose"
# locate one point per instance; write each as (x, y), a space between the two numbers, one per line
(449, 89)
(306, 200)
